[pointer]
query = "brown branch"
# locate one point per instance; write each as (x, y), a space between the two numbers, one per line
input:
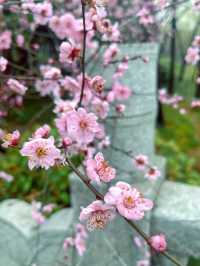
(83, 53)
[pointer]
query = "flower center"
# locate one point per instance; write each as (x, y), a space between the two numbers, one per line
(7, 137)
(129, 202)
(41, 152)
(83, 124)
(97, 220)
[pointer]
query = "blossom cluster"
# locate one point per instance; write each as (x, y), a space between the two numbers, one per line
(141, 162)
(78, 241)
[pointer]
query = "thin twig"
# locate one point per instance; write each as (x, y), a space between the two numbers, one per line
(83, 54)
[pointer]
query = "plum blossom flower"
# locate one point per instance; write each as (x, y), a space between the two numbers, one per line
(15, 86)
(110, 53)
(82, 126)
(99, 170)
(97, 215)
(97, 84)
(145, 17)
(68, 242)
(41, 152)
(192, 56)
(20, 40)
(3, 63)
(69, 53)
(120, 108)
(10, 139)
(121, 92)
(140, 161)
(143, 263)
(42, 132)
(153, 173)
(158, 243)
(48, 87)
(128, 201)
(100, 107)
(80, 244)
(6, 177)
(5, 40)
(38, 217)
(42, 12)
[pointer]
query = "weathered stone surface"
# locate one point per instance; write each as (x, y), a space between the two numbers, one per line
(177, 213)
(141, 108)
(23, 243)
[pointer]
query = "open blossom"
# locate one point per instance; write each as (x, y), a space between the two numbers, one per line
(80, 244)
(153, 173)
(3, 64)
(100, 107)
(158, 243)
(48, 87)
(128, 201)
(97, 84)
(145, 17)
(41, 152)
(121, 92)
(15, 86)
(97, 215)
(5, 40)
(69, 53)
(110, 53)
(82, 126)
(42, 132)
(140, 161)
(192, 56)
(10, 139)
(99, 170)
(42, 12)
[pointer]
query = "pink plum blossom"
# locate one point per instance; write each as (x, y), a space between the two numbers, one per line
(110, 53)
(6, 177)
(10, 139)
(158, 243)
(68, 242)
(3, 63)
(121, 92)
(192, 56)
(153, 173)
(80, 244)
(82, 126)
(42, 12)
(20, 40)
(42, 132)
(143, 263)
(97, 215)
(17, 87)
(145, 17)
(41, 152)
(100, 107)
(120, 108)
(69, 53)
(97, 84)
(128, 201)
(5, 40)
(140, 161)
(99, 170)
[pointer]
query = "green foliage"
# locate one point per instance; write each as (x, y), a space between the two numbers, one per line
(179, 142)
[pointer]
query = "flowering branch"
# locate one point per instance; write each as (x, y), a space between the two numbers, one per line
(100, 196)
